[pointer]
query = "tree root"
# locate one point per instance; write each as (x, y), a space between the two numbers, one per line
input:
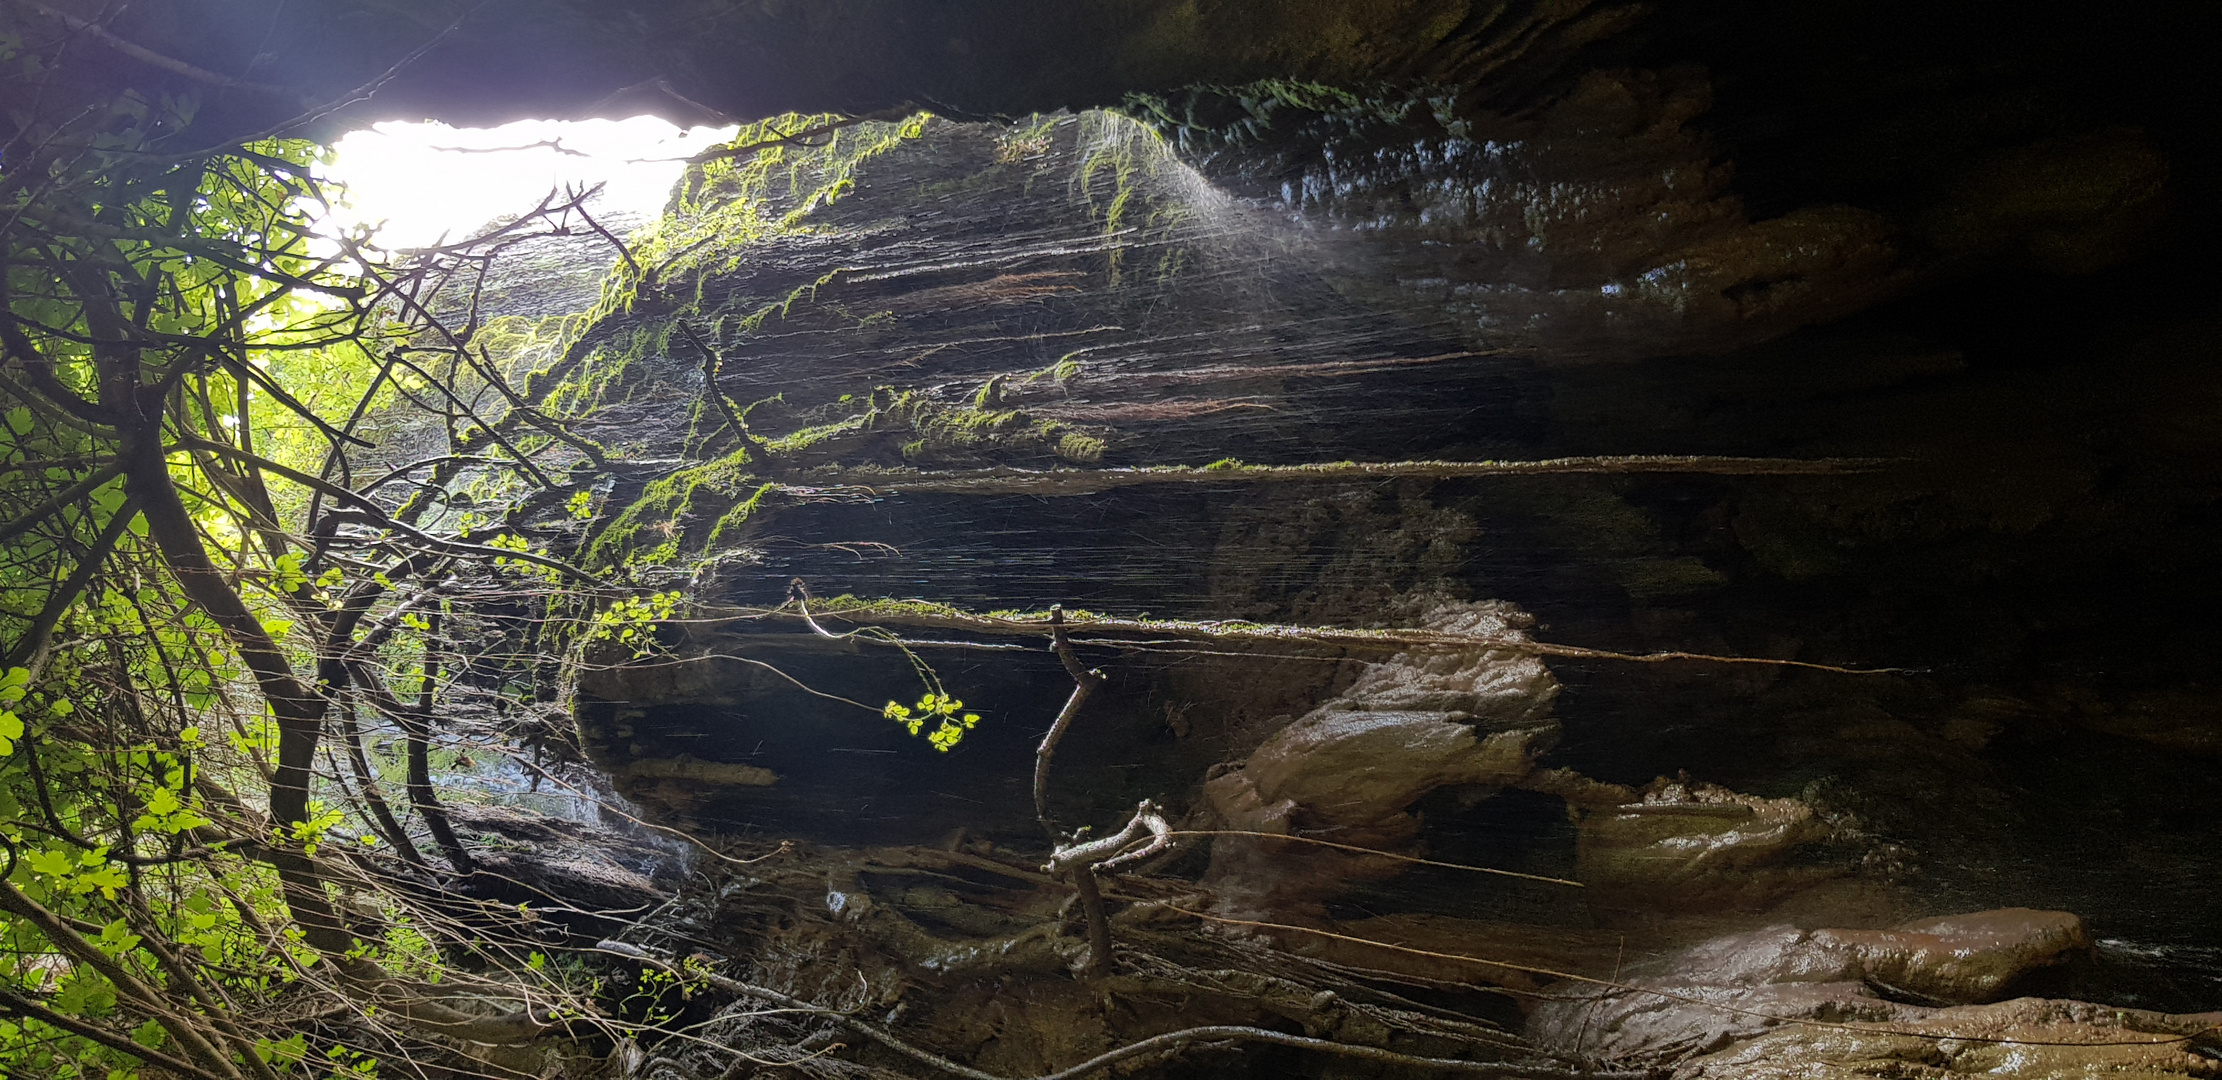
(1172, 1041)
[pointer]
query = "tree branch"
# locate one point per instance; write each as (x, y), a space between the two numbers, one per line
(30, 518)
(170, 64)
(23, 1006)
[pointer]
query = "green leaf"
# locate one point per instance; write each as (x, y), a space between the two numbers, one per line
(162, 801)
(289, 575)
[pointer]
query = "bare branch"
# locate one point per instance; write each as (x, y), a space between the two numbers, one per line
(167, 63)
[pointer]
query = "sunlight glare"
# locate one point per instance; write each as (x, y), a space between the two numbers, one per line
(424, 181)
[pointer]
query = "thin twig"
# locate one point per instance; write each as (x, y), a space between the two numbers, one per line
(1084, 683)
(713, 371)
(169, 63)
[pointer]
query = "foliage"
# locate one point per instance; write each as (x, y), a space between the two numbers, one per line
(247, 480)
(730, 201)
(951, 726)
(631, 621)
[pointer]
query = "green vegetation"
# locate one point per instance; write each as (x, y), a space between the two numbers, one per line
(215, 588)
(939, 709)
(775, 177)
(671, 513)
(1121, 162)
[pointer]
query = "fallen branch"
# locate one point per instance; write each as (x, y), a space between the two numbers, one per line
(1413, 859)
(1084, 683)
(169, 63)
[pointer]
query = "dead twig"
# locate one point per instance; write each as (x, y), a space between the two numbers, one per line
(1084, 682)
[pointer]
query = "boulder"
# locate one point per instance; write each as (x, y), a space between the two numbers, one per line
(1738, 986)
(1689, 846)
(1349, 770)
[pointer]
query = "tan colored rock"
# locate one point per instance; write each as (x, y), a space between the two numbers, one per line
(1495, 689)
(1492, 953)
(1580, 792)
(1962, 958)
(1738, 986)
(1365, 767)
(1349, 770)
(2023, 1039)
(1691, 845)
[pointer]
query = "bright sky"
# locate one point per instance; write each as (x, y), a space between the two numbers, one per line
(398, 172)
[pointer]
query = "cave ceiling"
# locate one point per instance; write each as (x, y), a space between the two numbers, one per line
(2031, 141)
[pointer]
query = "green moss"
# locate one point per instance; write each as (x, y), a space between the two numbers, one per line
(1208, 119)
(517, 343)
(611, 370)
(1119, 163)
(729, 203)
(1225, 464)
(991, 393)
(729, 526)
(669, 515)
(819, 436)
(847, 605)
(1021, 143)
(1063, 371)
(944, 432)
(1080, 449)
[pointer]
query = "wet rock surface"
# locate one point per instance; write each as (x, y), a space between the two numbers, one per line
(1349, 770)
(1694, 846)
(1818, 796)
(924, 322)
(1787, 1002)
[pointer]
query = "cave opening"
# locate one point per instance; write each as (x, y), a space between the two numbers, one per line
(1551, 539)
